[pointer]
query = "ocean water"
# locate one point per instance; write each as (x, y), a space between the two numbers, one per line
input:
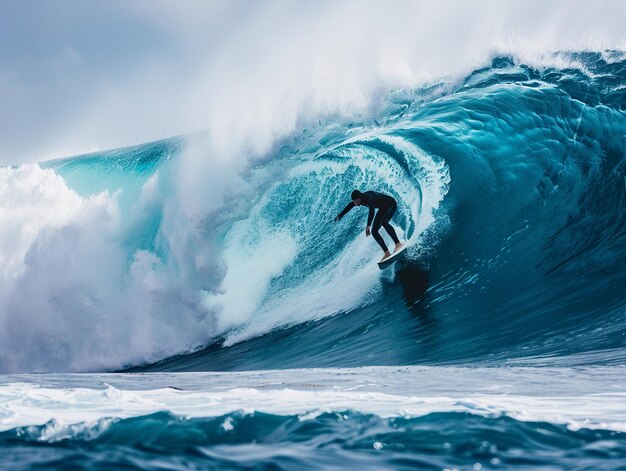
(160, 314)
(370, 418)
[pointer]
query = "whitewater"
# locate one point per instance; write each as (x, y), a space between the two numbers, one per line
(189, 303)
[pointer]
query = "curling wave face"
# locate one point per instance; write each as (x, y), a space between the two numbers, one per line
(511, 191)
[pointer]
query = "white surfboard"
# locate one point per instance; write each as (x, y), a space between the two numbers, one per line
(393, 258)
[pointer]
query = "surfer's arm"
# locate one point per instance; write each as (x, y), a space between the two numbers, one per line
(370, 216)
(348, 207)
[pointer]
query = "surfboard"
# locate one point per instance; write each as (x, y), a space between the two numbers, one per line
(394, 258)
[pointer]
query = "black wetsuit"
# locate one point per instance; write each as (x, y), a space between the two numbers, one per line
(386, 206)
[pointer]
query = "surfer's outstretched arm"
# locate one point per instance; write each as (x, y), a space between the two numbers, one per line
(348, 207)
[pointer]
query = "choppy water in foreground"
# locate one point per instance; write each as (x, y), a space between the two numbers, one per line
(365, 418)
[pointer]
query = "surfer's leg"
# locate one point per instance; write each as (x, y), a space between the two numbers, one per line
(391, 231)
(389, 228)
(375, 231)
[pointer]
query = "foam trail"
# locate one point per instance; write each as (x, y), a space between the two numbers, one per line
(525, 394)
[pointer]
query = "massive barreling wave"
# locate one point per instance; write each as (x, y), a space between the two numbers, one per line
(511, 190)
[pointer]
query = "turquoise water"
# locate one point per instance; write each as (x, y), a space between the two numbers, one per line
(512, 196)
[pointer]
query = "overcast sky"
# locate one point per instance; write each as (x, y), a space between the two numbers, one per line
(81, 75)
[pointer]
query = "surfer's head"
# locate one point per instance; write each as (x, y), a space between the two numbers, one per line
(357, 197)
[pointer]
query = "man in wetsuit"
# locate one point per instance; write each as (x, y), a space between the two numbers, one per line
(386, 206)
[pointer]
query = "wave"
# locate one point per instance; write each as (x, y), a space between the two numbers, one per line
(511, 192)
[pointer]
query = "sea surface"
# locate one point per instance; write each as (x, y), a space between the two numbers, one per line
(162, 308)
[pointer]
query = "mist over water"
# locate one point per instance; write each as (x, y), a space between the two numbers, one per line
(249, 73)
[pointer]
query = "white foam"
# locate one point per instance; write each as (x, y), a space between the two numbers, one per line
(33, 200)
(251, 265)
(578, 398)
(72, 295)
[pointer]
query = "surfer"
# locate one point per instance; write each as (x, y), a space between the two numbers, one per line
(386, 206)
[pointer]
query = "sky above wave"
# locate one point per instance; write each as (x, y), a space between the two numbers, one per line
(78, 76)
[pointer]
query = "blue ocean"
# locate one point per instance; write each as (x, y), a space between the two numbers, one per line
(160, 315)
